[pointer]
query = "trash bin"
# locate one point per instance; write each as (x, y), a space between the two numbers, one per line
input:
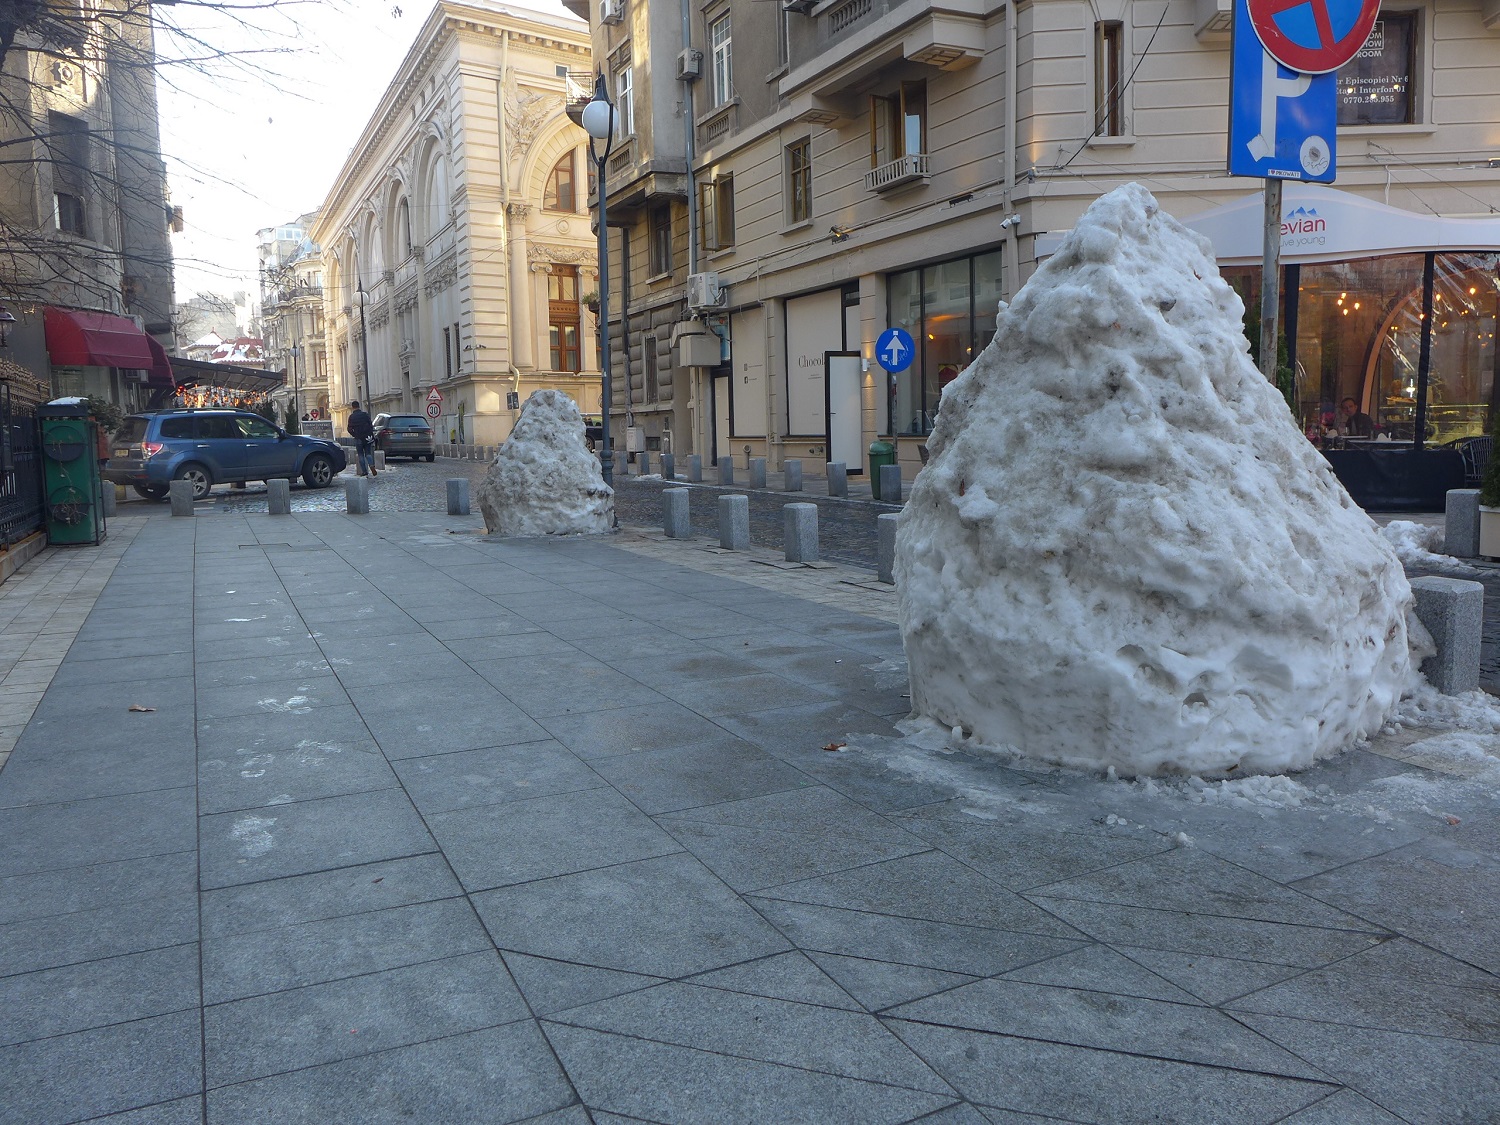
(72, 492)
(881, 453)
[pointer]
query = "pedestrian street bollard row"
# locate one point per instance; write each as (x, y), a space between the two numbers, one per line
(674, 514)
(886, 559)
(279, 497)
(734, 523)
(694, 469)
(380, 459)
(643, 463)
(357, 496)
(890, 484)
(1461, 523)
(668, 467)
(109, 498)
(726, 469)
(757, 472)
(838, 479)
(181, 492)
(800, 531)
(1453, 612)
(621, 464)
(791, 475)
(458, 496)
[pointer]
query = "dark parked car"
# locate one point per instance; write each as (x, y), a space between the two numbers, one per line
(210, 447)
(404, 435)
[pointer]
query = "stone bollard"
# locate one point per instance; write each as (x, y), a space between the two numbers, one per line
(694, 469)
(1453, 611)
(838, 479)
(357, 496)
(675, 520)
(887, 522)
(458, 496)
(791, 475)
(643, 463)
(279, 496)
(380, 459)
(181, 492)
(726, 469)
(757, 472)
(622, 464)
(108, 499)
(734, 523)
(800, 531)
(668, 467)
(1461, 525)
(890, 484)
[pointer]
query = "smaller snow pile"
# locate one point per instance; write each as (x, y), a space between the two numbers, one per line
(544, 480)
(1420, 546)
(1123, 551)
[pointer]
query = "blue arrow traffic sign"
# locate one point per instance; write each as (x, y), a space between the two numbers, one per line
(894, 350)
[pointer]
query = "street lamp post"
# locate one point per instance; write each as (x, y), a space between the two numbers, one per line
(294, 351)
(364, 345)
(599, 123)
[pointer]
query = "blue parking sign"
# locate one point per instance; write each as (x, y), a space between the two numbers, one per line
(895, 350)
(1282, 124)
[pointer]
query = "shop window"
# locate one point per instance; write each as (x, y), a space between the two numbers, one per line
(898, 124)
(721, 73)
(1109, 78)
(659, 240)
(716, 212)
(1375, 87)
(799, 181)
(558, 195)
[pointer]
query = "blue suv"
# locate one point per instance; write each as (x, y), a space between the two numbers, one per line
(210, 447)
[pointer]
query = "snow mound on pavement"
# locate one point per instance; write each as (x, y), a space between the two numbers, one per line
(544, 480)
(1123, 551)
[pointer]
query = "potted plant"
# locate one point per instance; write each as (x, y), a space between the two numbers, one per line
(1489, 494)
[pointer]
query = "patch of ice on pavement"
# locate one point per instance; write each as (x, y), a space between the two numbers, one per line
(253, 834)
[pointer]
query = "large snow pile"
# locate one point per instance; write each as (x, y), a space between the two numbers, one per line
(544, 480)
(1123, 551)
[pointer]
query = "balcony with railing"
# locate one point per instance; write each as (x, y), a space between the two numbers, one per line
(901, 172)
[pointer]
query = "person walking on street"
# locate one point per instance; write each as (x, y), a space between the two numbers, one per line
(362, 430)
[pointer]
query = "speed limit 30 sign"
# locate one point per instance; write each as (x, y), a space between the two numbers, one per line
(434, 409)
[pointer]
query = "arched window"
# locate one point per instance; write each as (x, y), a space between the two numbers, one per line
(559, 194)
(403, 227)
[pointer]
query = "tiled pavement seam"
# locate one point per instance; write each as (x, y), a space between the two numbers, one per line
(42, 607)
(700, 914)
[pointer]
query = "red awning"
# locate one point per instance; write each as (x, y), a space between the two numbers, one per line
(96, 339)
(161, 366)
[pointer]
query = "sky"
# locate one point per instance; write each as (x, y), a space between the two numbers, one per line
(255, 139)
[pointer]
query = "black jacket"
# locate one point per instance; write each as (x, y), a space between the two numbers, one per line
(360, 426)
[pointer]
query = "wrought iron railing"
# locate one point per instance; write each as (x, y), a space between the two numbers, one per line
(20, 472)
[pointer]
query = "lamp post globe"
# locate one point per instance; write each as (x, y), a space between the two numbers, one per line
(598, 122)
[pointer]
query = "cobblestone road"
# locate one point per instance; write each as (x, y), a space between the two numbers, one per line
(847, 528)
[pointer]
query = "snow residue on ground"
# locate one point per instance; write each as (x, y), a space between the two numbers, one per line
(1426, 707)
(1123, 551)
(544, 480)
(1418, 545)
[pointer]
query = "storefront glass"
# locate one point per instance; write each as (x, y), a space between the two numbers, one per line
(1358, 335)
(949, 309)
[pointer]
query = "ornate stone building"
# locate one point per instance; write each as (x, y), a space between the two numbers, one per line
(457, 250)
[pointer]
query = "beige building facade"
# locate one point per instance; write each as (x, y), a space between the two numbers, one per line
(863, 164)
(457, 250)
(292, 318)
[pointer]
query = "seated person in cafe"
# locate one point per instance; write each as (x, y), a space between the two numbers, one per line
(1352, 422)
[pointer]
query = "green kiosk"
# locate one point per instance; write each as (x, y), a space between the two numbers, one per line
(72, 495)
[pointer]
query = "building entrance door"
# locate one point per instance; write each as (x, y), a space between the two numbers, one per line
(845, 433)
(721, 417)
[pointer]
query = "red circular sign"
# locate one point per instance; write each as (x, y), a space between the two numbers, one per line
(1313, 36)
(434, 409)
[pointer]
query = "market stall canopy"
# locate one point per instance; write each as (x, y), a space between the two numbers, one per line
(195, 372)
(77, 338)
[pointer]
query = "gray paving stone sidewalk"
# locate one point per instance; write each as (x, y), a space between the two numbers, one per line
(425, 826)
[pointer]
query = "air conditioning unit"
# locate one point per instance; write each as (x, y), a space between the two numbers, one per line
(611, 11)
(689, 65)
(704, 291)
